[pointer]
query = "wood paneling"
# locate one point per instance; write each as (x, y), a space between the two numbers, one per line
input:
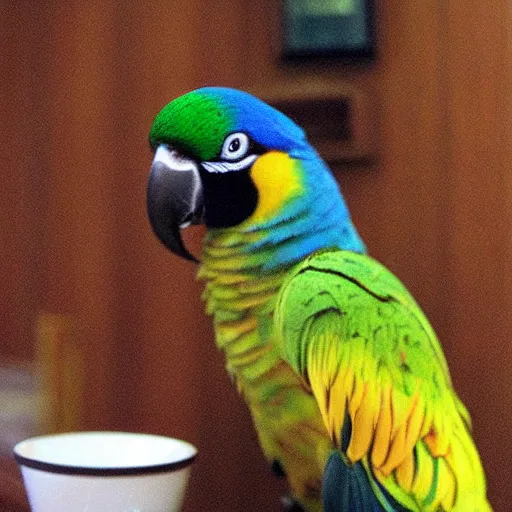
(21, 131)
(81, 83)
(81, 170)
(477, 80)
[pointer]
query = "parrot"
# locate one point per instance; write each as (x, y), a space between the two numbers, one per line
(343, 375)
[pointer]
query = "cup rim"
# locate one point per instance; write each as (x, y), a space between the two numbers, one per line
(72, 469)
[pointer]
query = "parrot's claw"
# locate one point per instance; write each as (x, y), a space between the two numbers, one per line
(290, 504)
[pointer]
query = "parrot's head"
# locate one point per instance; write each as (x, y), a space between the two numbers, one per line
(223, 158)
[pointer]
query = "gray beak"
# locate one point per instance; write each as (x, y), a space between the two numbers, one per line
(174, 198)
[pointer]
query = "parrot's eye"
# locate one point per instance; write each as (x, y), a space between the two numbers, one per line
(233, 156)
(235, 146)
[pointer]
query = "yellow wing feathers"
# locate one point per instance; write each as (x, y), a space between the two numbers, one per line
(427, 455)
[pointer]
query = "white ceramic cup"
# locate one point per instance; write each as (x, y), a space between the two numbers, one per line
(104, 472)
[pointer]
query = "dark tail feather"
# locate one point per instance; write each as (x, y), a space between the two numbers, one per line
(346, 488)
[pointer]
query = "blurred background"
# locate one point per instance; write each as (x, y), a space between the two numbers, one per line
(101, 328)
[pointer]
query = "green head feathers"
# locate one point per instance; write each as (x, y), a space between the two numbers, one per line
(196, 122)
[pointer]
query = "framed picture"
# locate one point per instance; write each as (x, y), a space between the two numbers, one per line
(328, 28)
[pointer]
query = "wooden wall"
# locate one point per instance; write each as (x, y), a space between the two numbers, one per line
(81, 82)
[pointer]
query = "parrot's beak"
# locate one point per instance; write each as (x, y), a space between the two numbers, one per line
(174, 198)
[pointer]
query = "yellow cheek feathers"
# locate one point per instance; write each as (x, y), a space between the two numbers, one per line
(278, 179)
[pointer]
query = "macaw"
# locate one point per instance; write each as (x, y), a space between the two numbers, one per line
(343, 375)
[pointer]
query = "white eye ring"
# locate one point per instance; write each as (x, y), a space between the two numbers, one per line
(235, 146)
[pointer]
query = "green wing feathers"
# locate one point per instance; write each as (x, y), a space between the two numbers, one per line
(357, 337)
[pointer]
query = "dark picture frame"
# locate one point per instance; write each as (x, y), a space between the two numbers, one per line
(342, 29)
(338, 117)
